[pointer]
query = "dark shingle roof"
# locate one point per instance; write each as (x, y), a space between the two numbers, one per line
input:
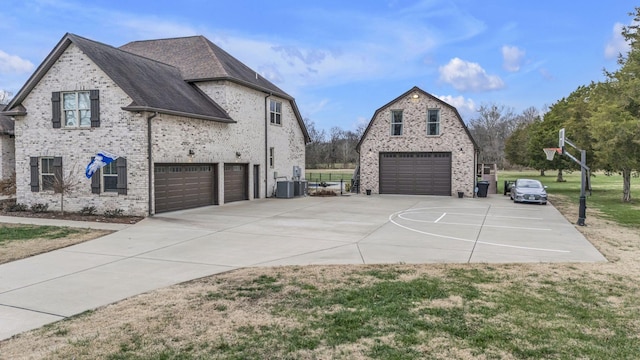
(199, 59)
(152, 85)
(158, 75)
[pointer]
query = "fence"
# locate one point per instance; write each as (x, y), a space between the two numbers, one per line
(328, 177)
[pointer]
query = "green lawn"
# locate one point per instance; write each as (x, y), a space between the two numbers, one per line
(606, 193)
(27, 232)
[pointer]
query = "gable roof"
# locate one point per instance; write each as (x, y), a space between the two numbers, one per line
(152, 85)
(201, 60)
(412, 90)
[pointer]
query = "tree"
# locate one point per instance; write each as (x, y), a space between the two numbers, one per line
(490, 130)
(5, 97)
(316, 147)
(615, 124)
(65, 184)
(516, 145)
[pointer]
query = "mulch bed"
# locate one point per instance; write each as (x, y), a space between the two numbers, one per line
(68, 215)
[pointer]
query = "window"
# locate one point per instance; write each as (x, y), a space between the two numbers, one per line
(47, 177)
(396, 122)
(433, 122)
(272, 157)
(44, 172)
(275, 111)
(110, 178)
(76, 108)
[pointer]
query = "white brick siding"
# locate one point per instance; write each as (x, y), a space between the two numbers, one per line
(453, 138)
(125, 134)
(120, 133)
(247, 107)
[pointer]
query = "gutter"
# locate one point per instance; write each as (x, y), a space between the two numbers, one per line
(266, 145)
(150, 158)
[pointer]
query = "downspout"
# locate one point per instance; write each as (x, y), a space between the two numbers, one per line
(150, 159)
(266, 145)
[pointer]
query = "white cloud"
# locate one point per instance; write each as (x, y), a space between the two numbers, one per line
(14, 64)
(466, 107)
(512, 57)
(469, 76)
(616, 44)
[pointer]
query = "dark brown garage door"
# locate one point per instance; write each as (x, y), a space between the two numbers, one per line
(415, 173)
(235, 182)
(184, 186)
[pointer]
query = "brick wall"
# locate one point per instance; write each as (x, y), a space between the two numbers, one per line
(125, 134)
(120, 132)
(453, 138)
(247, 107)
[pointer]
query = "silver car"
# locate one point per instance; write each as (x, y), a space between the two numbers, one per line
(528, 190)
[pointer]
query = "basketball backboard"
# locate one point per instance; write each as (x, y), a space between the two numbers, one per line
(561, 138)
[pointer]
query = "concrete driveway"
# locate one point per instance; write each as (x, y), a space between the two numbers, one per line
(179, 246)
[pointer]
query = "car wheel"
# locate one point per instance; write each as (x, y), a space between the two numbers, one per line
(544, 203)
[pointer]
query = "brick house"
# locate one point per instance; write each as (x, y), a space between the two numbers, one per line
(7, 147)
(192, 126)
(417, 144)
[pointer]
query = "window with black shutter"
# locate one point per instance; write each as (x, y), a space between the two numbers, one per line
(111, 178)
(75, 109)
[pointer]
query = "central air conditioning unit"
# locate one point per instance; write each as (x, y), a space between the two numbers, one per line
(300, 187)
(285, 189)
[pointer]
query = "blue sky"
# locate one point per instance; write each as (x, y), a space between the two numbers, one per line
(342, 60)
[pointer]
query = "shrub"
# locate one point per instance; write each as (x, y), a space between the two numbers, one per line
(88, 210)
(17, 207)
(39, 208)
(113, 213)
(324, 192)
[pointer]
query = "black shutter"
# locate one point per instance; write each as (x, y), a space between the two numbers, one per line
(95, 108)
(95, 180)
(121, 168)
(35, 181)
(57, 171)
(55, 109)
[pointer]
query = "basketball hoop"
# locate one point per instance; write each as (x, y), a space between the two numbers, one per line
(551, 152)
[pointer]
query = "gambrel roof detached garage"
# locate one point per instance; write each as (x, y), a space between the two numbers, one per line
(417, 144)
(190, 124)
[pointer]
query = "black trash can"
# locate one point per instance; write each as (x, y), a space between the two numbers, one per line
(483, 188)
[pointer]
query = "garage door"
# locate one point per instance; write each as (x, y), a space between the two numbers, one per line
(184, 186)
(235, 182)
(415, 173)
